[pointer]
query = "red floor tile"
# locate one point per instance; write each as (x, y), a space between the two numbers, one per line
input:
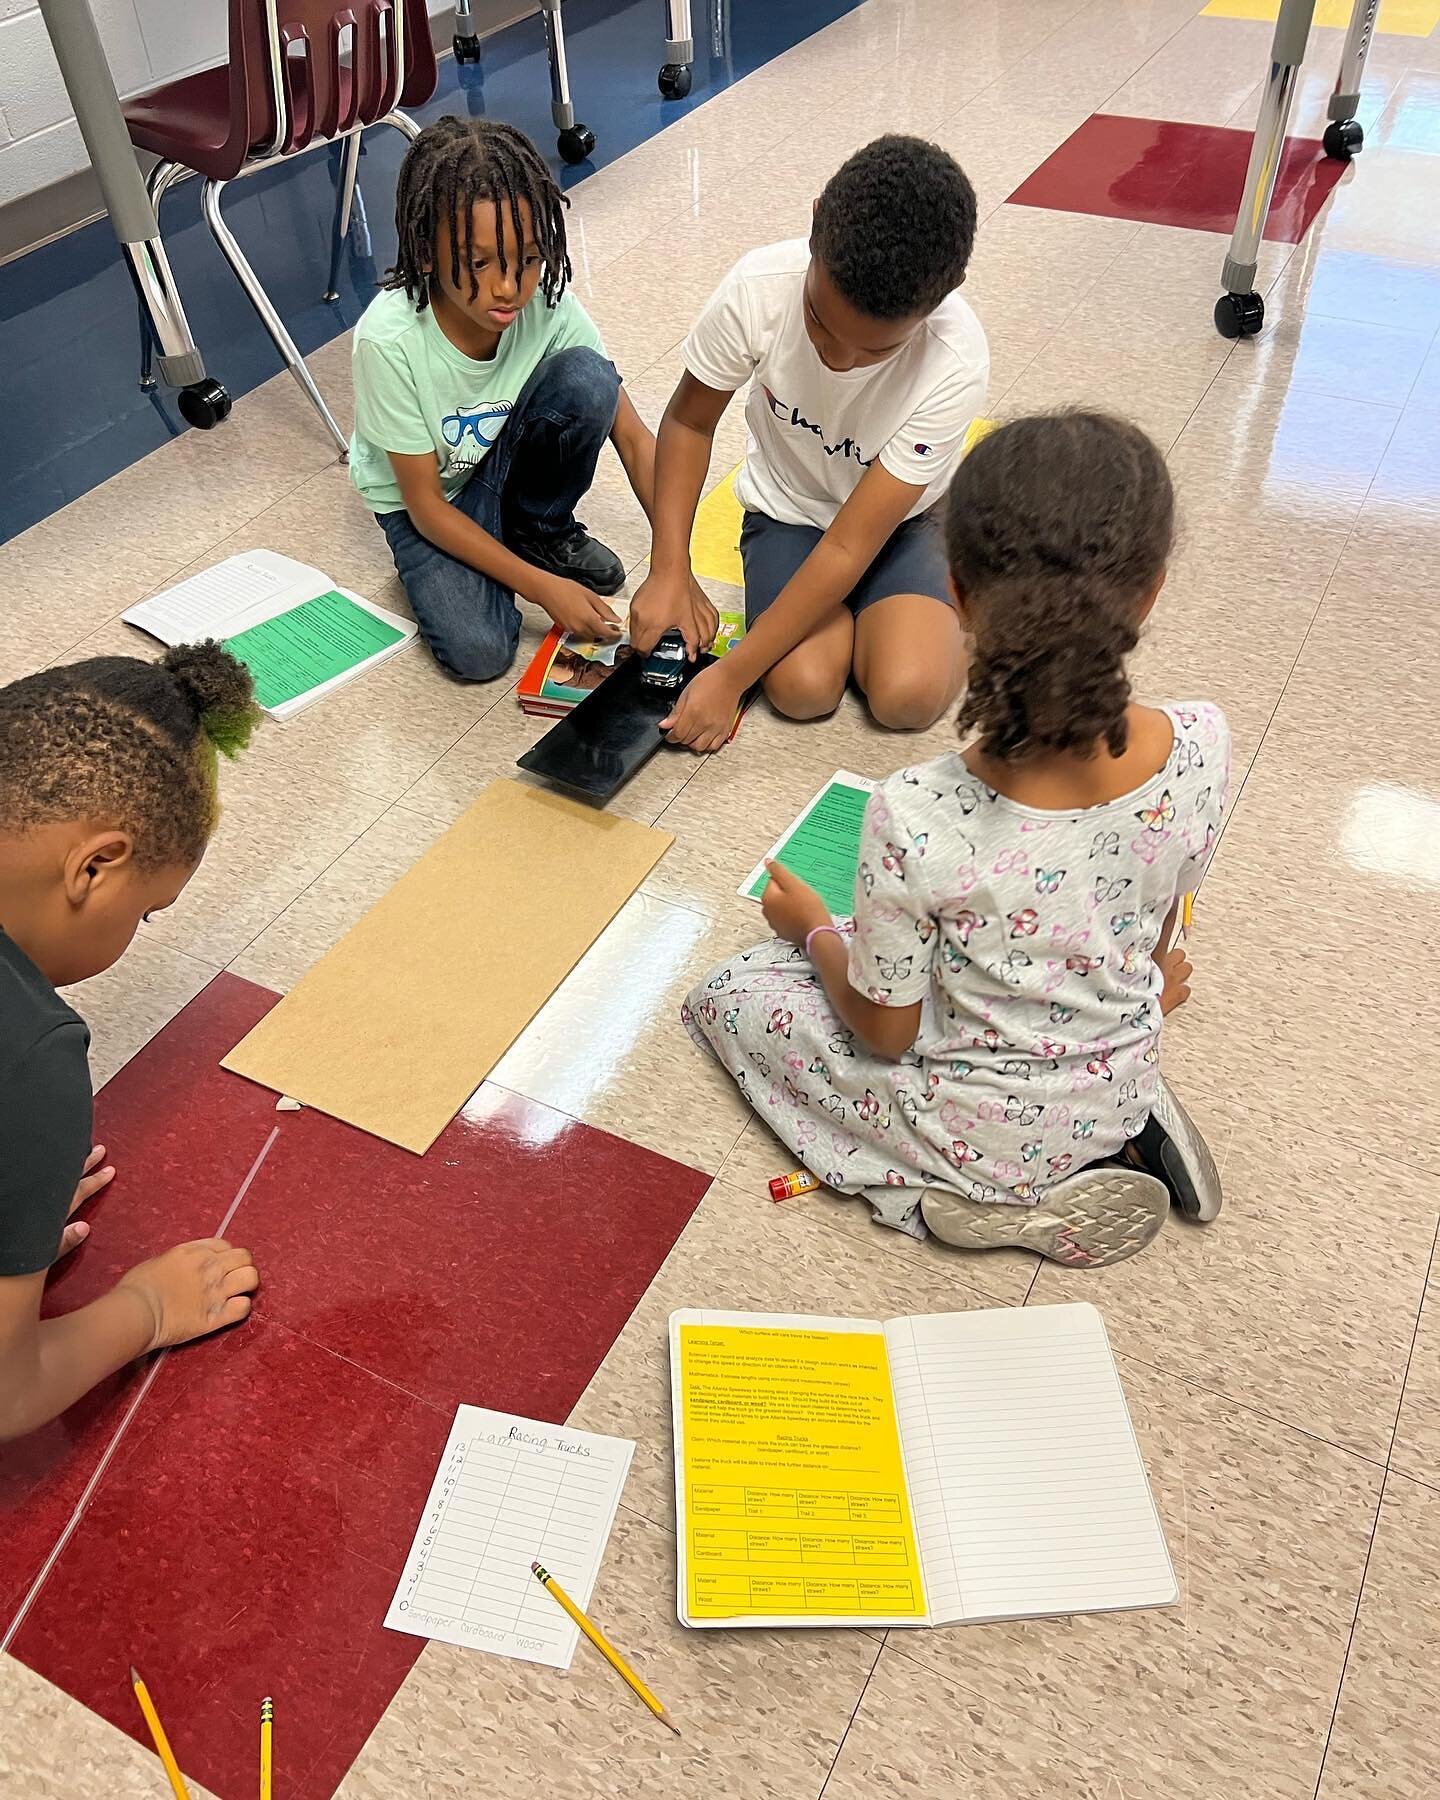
(247, 1535)
(1160, 173)
(245, 1541)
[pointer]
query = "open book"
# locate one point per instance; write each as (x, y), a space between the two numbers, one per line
(940, 1470)
(299, 635)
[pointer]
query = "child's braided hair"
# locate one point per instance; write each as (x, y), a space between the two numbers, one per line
(1058, 528)
(124, 742)
(452, 166)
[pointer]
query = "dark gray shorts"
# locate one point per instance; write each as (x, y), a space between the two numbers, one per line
(911, 562)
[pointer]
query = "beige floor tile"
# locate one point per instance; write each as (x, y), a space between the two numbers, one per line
(609, 1047)
(1202, 76)
(133, 533)
(998, 143)
(1300, 1300)
(129, 1003)
(1231, 1690)
(758, 1154)
(279, 828)
(489, 750)
(740, 1251)
(777, 766)
(1385, 1744)
(1158, 398)
(53, 1748)
(916, 1733)
(1346, 358)
(318, 917)
(1416, 1450)
(762, 1713)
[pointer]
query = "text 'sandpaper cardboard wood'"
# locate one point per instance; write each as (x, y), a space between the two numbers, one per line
(396, 1026)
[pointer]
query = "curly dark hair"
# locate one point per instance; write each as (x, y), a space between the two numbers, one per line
(1057, 529)
(452, 166)
(126, 742)
(895, 226)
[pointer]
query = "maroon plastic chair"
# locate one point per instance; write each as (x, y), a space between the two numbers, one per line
(300, 73)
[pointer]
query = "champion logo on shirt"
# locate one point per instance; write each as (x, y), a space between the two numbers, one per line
(791, 415)
(922, 450)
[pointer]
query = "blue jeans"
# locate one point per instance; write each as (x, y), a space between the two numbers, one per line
(526, 488)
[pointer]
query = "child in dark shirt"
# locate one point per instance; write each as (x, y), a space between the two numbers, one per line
(107, 801)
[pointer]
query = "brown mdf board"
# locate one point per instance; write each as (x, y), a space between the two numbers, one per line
(397, 1025)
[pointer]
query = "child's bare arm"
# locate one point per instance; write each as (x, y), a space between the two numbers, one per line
(704, 713)
(47, 1364)
(793, 911)
(635, 446)
(682, 460)
(572, 606)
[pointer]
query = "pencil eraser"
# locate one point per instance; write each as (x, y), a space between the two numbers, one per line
(286, 1104)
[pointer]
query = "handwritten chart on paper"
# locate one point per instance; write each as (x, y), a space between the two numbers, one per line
(510, 1492)
(823, 845)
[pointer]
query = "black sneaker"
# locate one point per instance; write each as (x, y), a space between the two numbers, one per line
(1171, 1148)
(577, 556)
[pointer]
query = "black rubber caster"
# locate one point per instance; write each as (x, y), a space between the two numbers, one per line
(467, 49)
(576, 143)
(674, 81)
(204, 404)
(1239, 315)
(1343, 139)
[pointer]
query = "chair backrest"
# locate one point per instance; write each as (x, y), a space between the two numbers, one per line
(307, 70)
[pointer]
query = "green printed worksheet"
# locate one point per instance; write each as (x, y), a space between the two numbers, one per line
(823, 845)
(298, 651)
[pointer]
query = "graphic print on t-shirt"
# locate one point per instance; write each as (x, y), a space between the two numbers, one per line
(471, 430)
(791, 415)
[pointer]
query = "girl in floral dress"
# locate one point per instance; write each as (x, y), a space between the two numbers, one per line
(988, 1025)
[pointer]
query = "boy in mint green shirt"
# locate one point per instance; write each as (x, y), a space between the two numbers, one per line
(483, 396)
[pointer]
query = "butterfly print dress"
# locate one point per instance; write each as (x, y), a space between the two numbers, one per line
(1027, 936)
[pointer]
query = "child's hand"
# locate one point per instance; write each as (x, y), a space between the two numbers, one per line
(792, 907)
(1176, 967)
(92, 1180)
(575, 608)
(194, 1289)
(699, 621)
(704, 715)
(661, 604)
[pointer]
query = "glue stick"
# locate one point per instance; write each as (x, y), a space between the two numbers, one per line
(786, 1187)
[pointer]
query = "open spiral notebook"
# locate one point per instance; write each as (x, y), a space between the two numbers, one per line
(955, 1468)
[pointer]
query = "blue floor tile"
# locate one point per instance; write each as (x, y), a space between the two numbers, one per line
(68, 323)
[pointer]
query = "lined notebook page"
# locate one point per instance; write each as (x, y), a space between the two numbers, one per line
(509, 1492)
(1029, 1492)
(211, 603)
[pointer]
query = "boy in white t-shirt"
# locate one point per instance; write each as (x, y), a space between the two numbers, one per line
(867, 370)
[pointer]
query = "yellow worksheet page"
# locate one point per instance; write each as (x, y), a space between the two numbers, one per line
(794, 1501)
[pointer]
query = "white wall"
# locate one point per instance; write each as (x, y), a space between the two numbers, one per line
(147, 42)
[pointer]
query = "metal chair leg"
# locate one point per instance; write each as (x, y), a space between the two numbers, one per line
(1344, 135)
(260, 300)
(402, 122)
(1240, 311)
(576, 141)
(157, 184)
(344, 200)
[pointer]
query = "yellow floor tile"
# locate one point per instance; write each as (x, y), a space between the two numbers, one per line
(1402, 18)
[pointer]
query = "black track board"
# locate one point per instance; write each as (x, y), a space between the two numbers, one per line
(595, 749)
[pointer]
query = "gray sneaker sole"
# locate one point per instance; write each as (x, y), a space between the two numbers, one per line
(1184, 1135)
(1087, 1221)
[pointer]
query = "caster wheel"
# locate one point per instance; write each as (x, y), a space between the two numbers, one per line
(204, 404)
(576, 143)
(674, 81)
(467, 49)
(1239, 315)
(1343, 139)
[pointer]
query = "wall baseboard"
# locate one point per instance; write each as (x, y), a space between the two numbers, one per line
(63, 206)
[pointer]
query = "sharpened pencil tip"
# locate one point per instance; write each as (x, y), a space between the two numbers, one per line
(665, 1717)
(134, 1674)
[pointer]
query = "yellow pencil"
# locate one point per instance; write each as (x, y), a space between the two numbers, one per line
(1187, 914)
(598, 1639)
(267, 1717)
(157, 1734)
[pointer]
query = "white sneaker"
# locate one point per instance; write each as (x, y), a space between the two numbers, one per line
(1100, 1215)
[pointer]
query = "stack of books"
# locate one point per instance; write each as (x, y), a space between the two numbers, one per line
(566, 668)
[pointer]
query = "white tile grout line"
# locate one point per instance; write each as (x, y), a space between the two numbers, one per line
(71, 1524)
